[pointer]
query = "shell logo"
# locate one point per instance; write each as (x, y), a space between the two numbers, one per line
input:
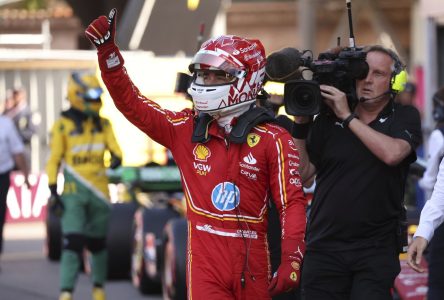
(201, 152)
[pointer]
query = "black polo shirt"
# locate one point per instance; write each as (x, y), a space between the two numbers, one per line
(358, 197)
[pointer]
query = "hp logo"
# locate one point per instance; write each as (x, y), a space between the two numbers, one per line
(225, 196)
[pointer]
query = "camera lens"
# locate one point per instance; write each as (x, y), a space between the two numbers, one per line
(302, 97)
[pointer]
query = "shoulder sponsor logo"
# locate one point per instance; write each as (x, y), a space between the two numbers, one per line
(292, 145)
(295, 181)
(225, 196)
(249, 159)
(201, 153)
(294, 171)
(253, 139)
(293, 163)
(293, 156)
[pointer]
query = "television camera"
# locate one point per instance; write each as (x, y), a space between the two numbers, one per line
(339, 67)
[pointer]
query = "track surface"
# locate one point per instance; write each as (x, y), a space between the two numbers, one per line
(26, 274)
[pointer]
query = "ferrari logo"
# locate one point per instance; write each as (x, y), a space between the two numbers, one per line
(253, 139)
(293, 276)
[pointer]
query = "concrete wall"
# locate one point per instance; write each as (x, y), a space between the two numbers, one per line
(277, 24)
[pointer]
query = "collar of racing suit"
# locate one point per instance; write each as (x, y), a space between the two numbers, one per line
(240, 130)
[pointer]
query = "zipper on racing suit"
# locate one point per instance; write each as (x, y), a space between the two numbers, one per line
(247, 247)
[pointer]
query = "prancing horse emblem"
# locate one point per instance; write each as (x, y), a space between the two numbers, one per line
(253, 139)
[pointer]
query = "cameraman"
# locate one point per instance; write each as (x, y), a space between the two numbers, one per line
(361, 158)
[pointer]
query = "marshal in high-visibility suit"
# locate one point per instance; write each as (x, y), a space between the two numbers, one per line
(79, 140)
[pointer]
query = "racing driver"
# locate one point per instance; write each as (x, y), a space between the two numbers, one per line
(232, 159)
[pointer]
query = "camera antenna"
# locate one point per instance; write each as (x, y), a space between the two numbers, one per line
(350, 24)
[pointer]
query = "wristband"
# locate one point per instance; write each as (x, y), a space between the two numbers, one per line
(348, 120)
(300, 131)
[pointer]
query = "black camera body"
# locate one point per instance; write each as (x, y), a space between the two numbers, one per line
(303, 97)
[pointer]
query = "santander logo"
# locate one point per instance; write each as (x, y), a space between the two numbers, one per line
(249, 159)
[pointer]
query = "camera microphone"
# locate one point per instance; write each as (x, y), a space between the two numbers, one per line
(283, 65)
(363, 99)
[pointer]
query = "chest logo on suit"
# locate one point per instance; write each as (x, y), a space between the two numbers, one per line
(201, 154)
(253, 139)
(225, 196)
(202, 169)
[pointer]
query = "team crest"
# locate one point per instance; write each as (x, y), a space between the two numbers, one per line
(253, 139)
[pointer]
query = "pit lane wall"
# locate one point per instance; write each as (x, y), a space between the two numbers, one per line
(44, 74)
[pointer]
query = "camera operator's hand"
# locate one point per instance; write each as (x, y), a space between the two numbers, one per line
(336, 100)
(101, 32)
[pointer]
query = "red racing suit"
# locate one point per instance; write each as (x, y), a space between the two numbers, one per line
(227, 187)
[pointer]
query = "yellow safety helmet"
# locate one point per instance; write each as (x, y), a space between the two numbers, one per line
(399, 81)
(84, 92)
